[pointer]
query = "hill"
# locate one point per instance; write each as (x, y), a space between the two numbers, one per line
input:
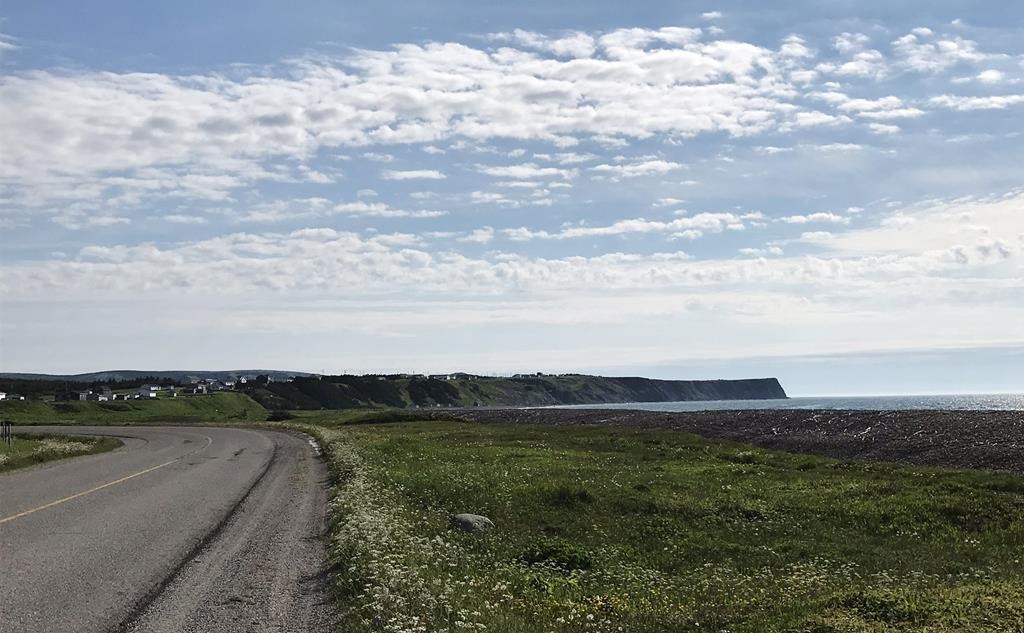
(221, 406)
(135, 374)
(462, 390)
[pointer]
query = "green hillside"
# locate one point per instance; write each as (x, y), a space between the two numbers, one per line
(344, 392)
(219, 406)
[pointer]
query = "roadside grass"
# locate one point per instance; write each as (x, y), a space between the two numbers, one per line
(214, 407)
(27, 450)
(614, 529)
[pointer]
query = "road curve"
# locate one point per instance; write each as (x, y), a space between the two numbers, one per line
(182, 529)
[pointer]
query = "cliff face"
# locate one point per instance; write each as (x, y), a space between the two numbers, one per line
(340, 392)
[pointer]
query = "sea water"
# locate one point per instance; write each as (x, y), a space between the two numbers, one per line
(966, 402)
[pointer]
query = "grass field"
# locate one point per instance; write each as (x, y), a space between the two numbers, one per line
(214, 407)
(27, 451)
(612, 529)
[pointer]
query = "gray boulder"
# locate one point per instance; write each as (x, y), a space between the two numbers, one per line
(472, 523)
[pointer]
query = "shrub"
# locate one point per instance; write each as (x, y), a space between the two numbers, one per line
(558, 553)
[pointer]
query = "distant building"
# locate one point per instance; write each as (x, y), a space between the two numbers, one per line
(11, 396)
(148, 391)
(3, 395)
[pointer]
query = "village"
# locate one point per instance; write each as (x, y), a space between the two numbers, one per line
(150, 392)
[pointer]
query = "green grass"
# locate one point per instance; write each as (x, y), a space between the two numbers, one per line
(612, 529)
(215, 407)
(27, 450)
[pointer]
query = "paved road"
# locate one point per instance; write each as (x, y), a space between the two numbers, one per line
(183, 529)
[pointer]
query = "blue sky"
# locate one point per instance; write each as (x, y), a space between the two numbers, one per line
(676, 189)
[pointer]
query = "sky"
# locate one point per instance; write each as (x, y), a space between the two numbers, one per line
(827, 192)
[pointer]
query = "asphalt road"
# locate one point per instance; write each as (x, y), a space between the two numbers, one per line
(183, 529)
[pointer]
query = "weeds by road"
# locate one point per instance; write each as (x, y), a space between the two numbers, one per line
(613, 529)
(28, 450)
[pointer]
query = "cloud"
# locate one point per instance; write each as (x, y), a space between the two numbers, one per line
(890, 107)
(816, 236)
(991, 76)
(479, 236)
(567, 158)
(815, 119)
(306, 209)
(413, 174)
(883, 128)
(850, 43)
(380, 210)
(243, 126)
(526, 171)
(962, 103)
(7, 44)
(923, 51)
(185, 219)
(638, 169)
(330, 261)
(572, 44)
(830, 218)
(762, 252)
(697, 225)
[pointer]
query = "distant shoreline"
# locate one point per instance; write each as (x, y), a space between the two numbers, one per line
(958, 439)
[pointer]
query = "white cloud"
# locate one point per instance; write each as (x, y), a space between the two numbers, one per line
(711, 15)
(240, 126)
(6, 44)
(922, 50)
(850, 43)
(185, 219)
(991, 76)
(668, 202)
(413, 174)
(638, 169)
(870, 63)
(884, 108)
(815, 118)
(831, 218)
(572, 44)
(526, 171)
(381, 210)
(996, 102)
(310, 208)
(816, 236)
(479, 236)
(697, 224)
(883, 128)
(567, 158)
(762, 252)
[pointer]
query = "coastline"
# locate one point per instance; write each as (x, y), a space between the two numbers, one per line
(990, 440)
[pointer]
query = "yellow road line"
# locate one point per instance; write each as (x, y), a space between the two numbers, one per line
(101, 487)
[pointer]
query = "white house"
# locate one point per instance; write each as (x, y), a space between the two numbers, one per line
(3, 395)
(148, 391)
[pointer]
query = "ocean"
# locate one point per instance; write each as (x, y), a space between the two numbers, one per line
(964, 402)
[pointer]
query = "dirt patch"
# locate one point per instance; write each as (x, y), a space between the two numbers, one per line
(962, 439)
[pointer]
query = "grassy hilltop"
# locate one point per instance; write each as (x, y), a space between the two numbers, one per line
(345, 392)
(214, 407)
